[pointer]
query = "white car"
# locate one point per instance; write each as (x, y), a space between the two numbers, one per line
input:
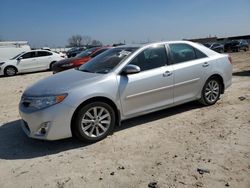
(34, 60)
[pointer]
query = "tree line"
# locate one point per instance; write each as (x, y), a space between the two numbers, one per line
(82, 40)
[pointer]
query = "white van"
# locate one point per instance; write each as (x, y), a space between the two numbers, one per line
(9, 49)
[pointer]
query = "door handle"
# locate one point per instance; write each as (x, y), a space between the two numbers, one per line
(206, 64)
(167, 73)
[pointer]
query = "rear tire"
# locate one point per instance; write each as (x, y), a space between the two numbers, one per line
(10, 71)
(93, 122)
(211, 91)
(51, 65)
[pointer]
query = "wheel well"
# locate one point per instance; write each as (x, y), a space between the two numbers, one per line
(11, 66)
(95, 99)
(220, 79)
(50, 65)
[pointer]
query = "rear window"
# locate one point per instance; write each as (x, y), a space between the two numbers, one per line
(199, 54)
(184, 52)
(181, 53)
(43, 53)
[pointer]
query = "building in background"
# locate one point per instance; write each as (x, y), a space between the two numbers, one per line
(220, 40)
(9, 49)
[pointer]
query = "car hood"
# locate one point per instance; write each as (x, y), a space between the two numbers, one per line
(9, 61)
(61, 83)
(65, 61)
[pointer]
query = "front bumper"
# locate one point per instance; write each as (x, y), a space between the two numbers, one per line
(1, 71)
(58, 117)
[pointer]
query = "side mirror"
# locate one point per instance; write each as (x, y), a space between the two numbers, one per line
(20, 58)
(131, 69)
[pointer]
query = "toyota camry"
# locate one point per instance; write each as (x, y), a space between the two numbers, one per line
(121, 83)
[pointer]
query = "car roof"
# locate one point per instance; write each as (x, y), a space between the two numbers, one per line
(39, 50)
(156, 43)
(199, 46)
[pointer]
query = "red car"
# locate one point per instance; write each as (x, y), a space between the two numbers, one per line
(77, 61)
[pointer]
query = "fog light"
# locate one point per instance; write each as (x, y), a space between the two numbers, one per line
(43, 129)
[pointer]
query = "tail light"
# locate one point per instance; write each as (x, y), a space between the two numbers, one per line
(230, 59)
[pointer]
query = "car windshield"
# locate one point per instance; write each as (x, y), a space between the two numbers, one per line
(207, 45)
(17, 55)
(107, 61)
(86, 52)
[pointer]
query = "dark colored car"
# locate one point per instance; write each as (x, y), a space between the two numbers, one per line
(74, 51)
(236, 45)
(215, 46)
(77, 61)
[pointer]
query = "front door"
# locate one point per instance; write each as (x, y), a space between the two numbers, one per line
(28, 62)
(149, 89)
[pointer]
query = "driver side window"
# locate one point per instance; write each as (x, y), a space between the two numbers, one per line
(151, 58)
(29, 55)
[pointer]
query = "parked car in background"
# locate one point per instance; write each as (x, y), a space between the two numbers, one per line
(34, 60)
(122, 83)
(215, 46)
(236, 46)
(62, 54)
(77, 61)
(74, 51)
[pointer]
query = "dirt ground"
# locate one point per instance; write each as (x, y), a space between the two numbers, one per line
(164, 148)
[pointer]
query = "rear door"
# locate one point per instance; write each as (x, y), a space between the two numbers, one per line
(189, 66)
(44, 59)
(149, 89)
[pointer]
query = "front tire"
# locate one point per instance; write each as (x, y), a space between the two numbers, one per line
(211, 92)
(94, 122)
(10, 71)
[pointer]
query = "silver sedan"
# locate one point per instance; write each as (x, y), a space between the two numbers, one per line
(122, 83)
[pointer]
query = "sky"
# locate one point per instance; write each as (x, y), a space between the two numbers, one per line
(52, 22)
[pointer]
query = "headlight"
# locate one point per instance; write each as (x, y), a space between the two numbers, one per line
(2, 63)
(42, 101)
(67, 65)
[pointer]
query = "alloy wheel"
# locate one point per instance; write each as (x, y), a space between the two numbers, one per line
(10, 71)
(96, 121)
(212, 91)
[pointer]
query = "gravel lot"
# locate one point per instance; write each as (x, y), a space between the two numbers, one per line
(164, 148)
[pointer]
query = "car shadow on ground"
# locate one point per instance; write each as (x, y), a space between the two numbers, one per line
(26, 73)
(14, 144)
(242, 73)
